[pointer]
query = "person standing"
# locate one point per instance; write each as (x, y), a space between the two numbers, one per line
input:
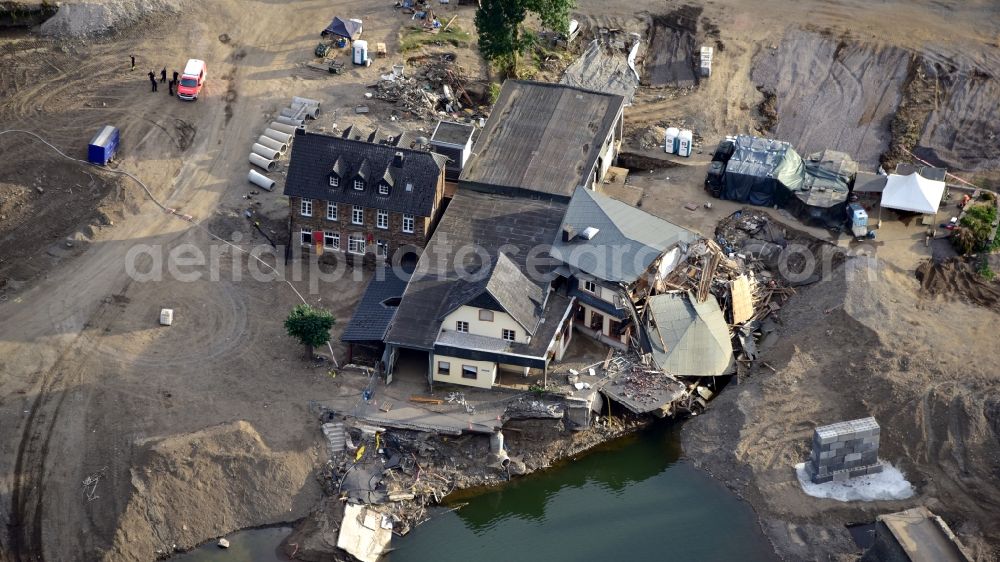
(176, 76)
(133, 61)
(163, 74)
(152, 80)
(170, 88)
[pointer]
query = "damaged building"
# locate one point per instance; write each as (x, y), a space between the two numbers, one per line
(609, 251)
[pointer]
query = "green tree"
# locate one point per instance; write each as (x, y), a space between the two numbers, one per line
(502, 36)
(311, 326)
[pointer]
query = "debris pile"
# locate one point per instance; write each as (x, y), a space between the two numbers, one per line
(437, 86)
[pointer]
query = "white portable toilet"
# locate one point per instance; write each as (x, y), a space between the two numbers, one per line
(360, 52)
(670, 145)
(684, 140)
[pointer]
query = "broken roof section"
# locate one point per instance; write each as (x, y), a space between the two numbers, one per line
(543, 139)
(689, 338)
(604, 68)
(625, 244)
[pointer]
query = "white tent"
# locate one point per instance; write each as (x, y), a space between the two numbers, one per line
(913, 193)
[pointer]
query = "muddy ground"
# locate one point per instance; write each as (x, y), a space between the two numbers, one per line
(92, 388)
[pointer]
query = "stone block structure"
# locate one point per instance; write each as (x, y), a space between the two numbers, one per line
(844, 450)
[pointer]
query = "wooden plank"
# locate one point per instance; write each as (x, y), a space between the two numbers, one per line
(425, 399)
(742, 302)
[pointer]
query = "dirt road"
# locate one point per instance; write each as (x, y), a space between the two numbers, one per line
(87, 376)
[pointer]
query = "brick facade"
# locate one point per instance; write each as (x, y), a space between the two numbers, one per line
(343, 226)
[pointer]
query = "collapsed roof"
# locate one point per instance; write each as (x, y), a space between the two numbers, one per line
(689, 338)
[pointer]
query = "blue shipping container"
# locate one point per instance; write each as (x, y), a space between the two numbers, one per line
(103, 146)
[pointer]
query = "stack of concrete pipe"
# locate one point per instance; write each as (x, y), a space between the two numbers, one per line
(278, 136)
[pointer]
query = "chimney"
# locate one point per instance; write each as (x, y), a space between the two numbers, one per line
(568, 233)
(397, 160)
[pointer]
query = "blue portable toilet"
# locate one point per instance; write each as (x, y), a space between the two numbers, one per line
(103, 146)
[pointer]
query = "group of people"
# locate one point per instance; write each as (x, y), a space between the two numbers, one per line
(163, 78)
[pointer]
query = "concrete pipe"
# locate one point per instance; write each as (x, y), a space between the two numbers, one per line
(278, 135)
(258, 160)
(305, 101)
(290, 129)
(261, 180)
(266, 152)
(299, 113)
(272, 144)
(308, 111)
(290, 121)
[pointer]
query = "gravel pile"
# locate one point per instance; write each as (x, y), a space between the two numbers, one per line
(94, 18)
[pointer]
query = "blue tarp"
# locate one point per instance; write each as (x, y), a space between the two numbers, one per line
(343, 28)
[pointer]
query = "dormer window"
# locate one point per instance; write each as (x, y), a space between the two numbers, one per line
(383, 189)
(334, 181)
(359, 184)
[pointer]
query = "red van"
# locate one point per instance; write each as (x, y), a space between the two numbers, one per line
(192, 79)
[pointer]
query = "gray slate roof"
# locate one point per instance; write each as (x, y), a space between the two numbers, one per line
(472, 219)
(514, 292)
(627, 242)
(313, 159)
(371, 317)
(695, 334)
(542, 137)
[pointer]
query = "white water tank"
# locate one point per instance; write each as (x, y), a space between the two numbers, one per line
(670, 145)
(360, 52)
(684, 140)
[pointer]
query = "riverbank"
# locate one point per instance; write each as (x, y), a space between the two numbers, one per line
(865, 341)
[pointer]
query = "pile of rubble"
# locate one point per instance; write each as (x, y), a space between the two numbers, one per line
(437, 86)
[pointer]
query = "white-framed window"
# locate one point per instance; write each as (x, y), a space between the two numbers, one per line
(306, 207)
(331, 211)
(590, 287)
(444, 368)
(462, 326)
(331, 240)
(383, 189)
(334, 181)
(382, 218)
(356, 244)
(357, 215)
(509, 335)
(469, 371)
(306, 237)
(485, 315)
(381, 248)
(359, 184)
(408, 223)
(409, 186)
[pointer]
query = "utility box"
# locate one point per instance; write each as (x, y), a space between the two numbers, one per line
(103, 146)
(166, 316)
(705, 68)
(844, 450)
